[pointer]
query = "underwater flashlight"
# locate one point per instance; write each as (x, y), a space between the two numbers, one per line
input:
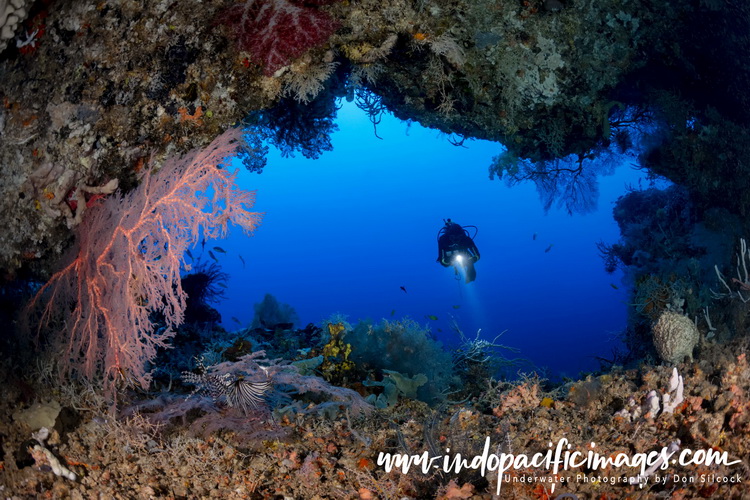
(459, 259)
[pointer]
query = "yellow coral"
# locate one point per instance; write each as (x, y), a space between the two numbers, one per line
(336, 352)
(335, 329)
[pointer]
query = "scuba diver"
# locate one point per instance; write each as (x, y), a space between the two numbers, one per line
(456, 248)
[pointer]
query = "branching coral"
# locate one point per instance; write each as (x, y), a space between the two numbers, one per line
(741, 279)
(292, 126)
(97, 310)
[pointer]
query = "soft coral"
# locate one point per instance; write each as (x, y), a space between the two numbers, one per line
(276, 31)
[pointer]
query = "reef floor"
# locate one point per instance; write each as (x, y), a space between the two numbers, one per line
(157, 447)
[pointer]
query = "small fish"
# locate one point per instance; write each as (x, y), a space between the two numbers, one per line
(393, 312)
(432, 317)
(614, 286)
(211, 254)
(533, 237)
(403, 288)
(456, 307)
(546, 250)
(189, 254)
(242, 260)
(440, 330)
(203, 244)
(236, 320)
(220, 250)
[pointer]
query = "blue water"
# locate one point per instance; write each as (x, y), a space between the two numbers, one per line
(343, 233)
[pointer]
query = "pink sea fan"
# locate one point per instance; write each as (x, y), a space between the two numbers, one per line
(125, 265)
(275, 32)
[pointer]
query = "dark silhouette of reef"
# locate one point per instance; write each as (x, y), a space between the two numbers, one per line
(664, 83)
(92, 93)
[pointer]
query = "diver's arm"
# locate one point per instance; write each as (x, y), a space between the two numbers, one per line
(441, 259)
(442, 243)
(471, 247)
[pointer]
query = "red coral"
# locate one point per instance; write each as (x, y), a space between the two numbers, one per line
(275, 32)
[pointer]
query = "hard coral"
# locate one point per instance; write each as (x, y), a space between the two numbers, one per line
(277, 31)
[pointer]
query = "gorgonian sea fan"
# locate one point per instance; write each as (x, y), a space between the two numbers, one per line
(97, 311)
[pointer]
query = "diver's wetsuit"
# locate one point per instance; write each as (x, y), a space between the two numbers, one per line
(453, 241)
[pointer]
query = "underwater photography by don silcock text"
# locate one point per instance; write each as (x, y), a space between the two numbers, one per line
(358, 249)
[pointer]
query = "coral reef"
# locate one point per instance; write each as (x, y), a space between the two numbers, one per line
(94, 90)
(96, 93)
(166, 446)
(302, 120)
(270, 312)
(404, 347)
(670, 250)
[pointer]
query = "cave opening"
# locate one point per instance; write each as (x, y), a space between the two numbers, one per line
(353, 231)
